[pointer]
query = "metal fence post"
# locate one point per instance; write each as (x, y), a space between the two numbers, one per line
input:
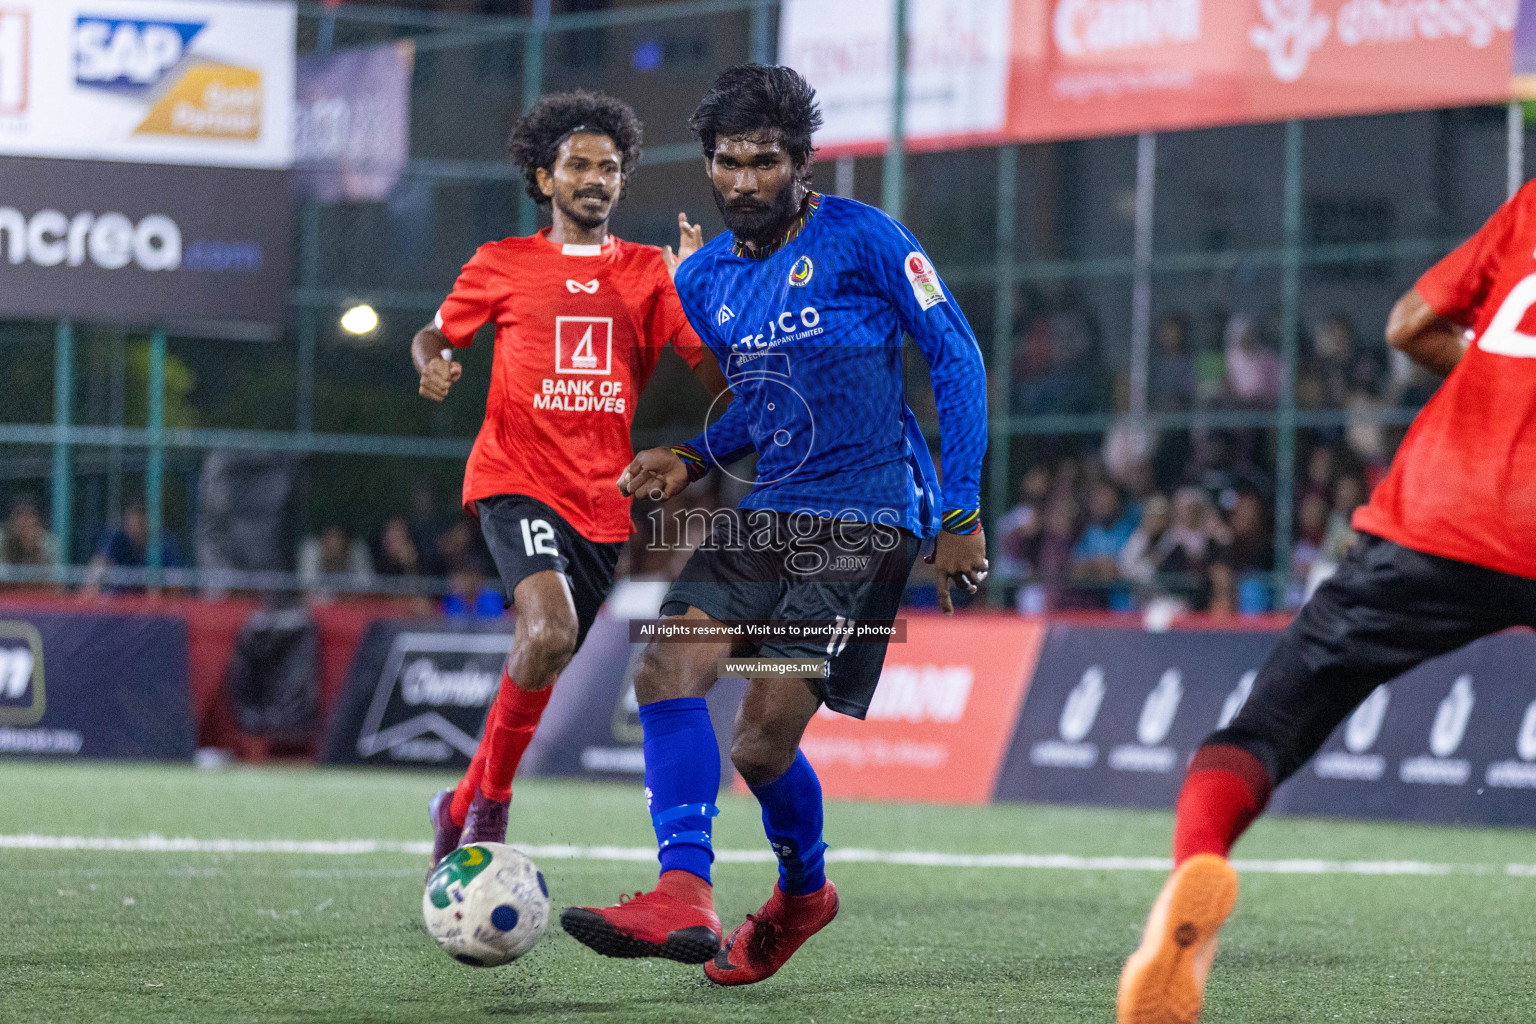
(309, 272)
(154, 470)
(1514, 142)
(762, 43)
(1290, 329)
(893, 179)
(63, 402)
(533, 84)
(1000, 437)
(1141, 286)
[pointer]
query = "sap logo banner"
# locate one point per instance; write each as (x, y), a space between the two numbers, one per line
(1143, 700)
(188, 95)
(111, 241)
(131, 57)
(431, 698)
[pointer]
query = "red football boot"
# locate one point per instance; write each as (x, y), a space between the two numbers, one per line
(768, 938)
(675, 921)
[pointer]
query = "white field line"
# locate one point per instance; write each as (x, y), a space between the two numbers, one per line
(848, 855)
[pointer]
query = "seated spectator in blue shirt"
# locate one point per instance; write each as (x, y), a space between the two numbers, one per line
(1096, 555)
(1097, 550)
(127, 547)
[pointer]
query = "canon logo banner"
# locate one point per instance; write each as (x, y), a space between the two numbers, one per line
(111, 241)
(1099, 26)
(202, 250)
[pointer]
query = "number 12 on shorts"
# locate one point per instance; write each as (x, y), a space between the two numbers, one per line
(539, 538)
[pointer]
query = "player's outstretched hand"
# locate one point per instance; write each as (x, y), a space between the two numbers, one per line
(959, 559)
(438, 377)
(689, 238)
(656, 473)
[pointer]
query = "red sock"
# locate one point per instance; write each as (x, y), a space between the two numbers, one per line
(688, 887)
(472, 776)
(519, 714)
(1225, 789)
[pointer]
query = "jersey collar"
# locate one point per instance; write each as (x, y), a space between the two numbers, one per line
(812, 201)
(579, 250)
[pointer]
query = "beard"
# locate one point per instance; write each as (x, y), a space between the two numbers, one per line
(591, 221)
(755, 221)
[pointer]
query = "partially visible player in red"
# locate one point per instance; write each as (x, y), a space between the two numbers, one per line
(581, 319)
(1445, 556)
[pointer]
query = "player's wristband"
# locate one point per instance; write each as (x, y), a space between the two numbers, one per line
(693, 460)
(963, 521)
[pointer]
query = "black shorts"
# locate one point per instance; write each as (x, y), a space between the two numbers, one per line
(527, 536)
(760, 565)
(1386, 610)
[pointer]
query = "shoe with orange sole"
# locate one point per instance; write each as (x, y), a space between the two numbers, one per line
(1164, 980)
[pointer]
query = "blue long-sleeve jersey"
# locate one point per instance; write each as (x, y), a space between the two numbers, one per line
(810, 340)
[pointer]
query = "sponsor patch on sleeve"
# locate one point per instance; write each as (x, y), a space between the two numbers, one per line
(924, 280)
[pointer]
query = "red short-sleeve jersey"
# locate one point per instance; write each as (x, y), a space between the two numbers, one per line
(578, 331)
(1463, 484)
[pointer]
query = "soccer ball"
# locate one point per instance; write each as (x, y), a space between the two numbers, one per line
(486, 904)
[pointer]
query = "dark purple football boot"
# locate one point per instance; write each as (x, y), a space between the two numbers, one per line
(486, 821)
(445, 834)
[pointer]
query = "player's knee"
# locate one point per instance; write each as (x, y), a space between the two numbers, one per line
(665, 674)
(758, 756)
(549, 643)
(654, 681)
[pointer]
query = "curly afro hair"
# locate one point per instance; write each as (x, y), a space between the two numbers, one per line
(751, 98)
(535, 140)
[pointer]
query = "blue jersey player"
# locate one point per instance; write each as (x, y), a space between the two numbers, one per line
(804, 302)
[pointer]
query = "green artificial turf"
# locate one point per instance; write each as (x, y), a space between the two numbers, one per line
(99, 936)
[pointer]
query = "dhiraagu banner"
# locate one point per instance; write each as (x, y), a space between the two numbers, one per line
(208, 82)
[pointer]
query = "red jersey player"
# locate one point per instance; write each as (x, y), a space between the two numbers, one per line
(581, 318)
(1444, 557)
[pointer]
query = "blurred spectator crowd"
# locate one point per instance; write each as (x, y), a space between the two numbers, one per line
(1125, 518)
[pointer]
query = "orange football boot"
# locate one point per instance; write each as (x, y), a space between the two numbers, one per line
(1164, 980)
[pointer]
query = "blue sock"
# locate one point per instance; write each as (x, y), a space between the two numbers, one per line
(792, 819)
(682, 780)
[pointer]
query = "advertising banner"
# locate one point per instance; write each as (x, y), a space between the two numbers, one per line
(353, 122)
(201, 249)
(941, 717)
(418, 693)
(958, 67)
(1114, 714)
(1081, 68)
(156, 81)
(1452, 741)
(81, 685)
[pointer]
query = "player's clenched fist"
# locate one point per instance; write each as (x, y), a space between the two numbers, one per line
(656, 473)
(438, 376)
(961, 559)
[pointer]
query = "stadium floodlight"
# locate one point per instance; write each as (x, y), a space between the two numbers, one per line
(360, 319)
